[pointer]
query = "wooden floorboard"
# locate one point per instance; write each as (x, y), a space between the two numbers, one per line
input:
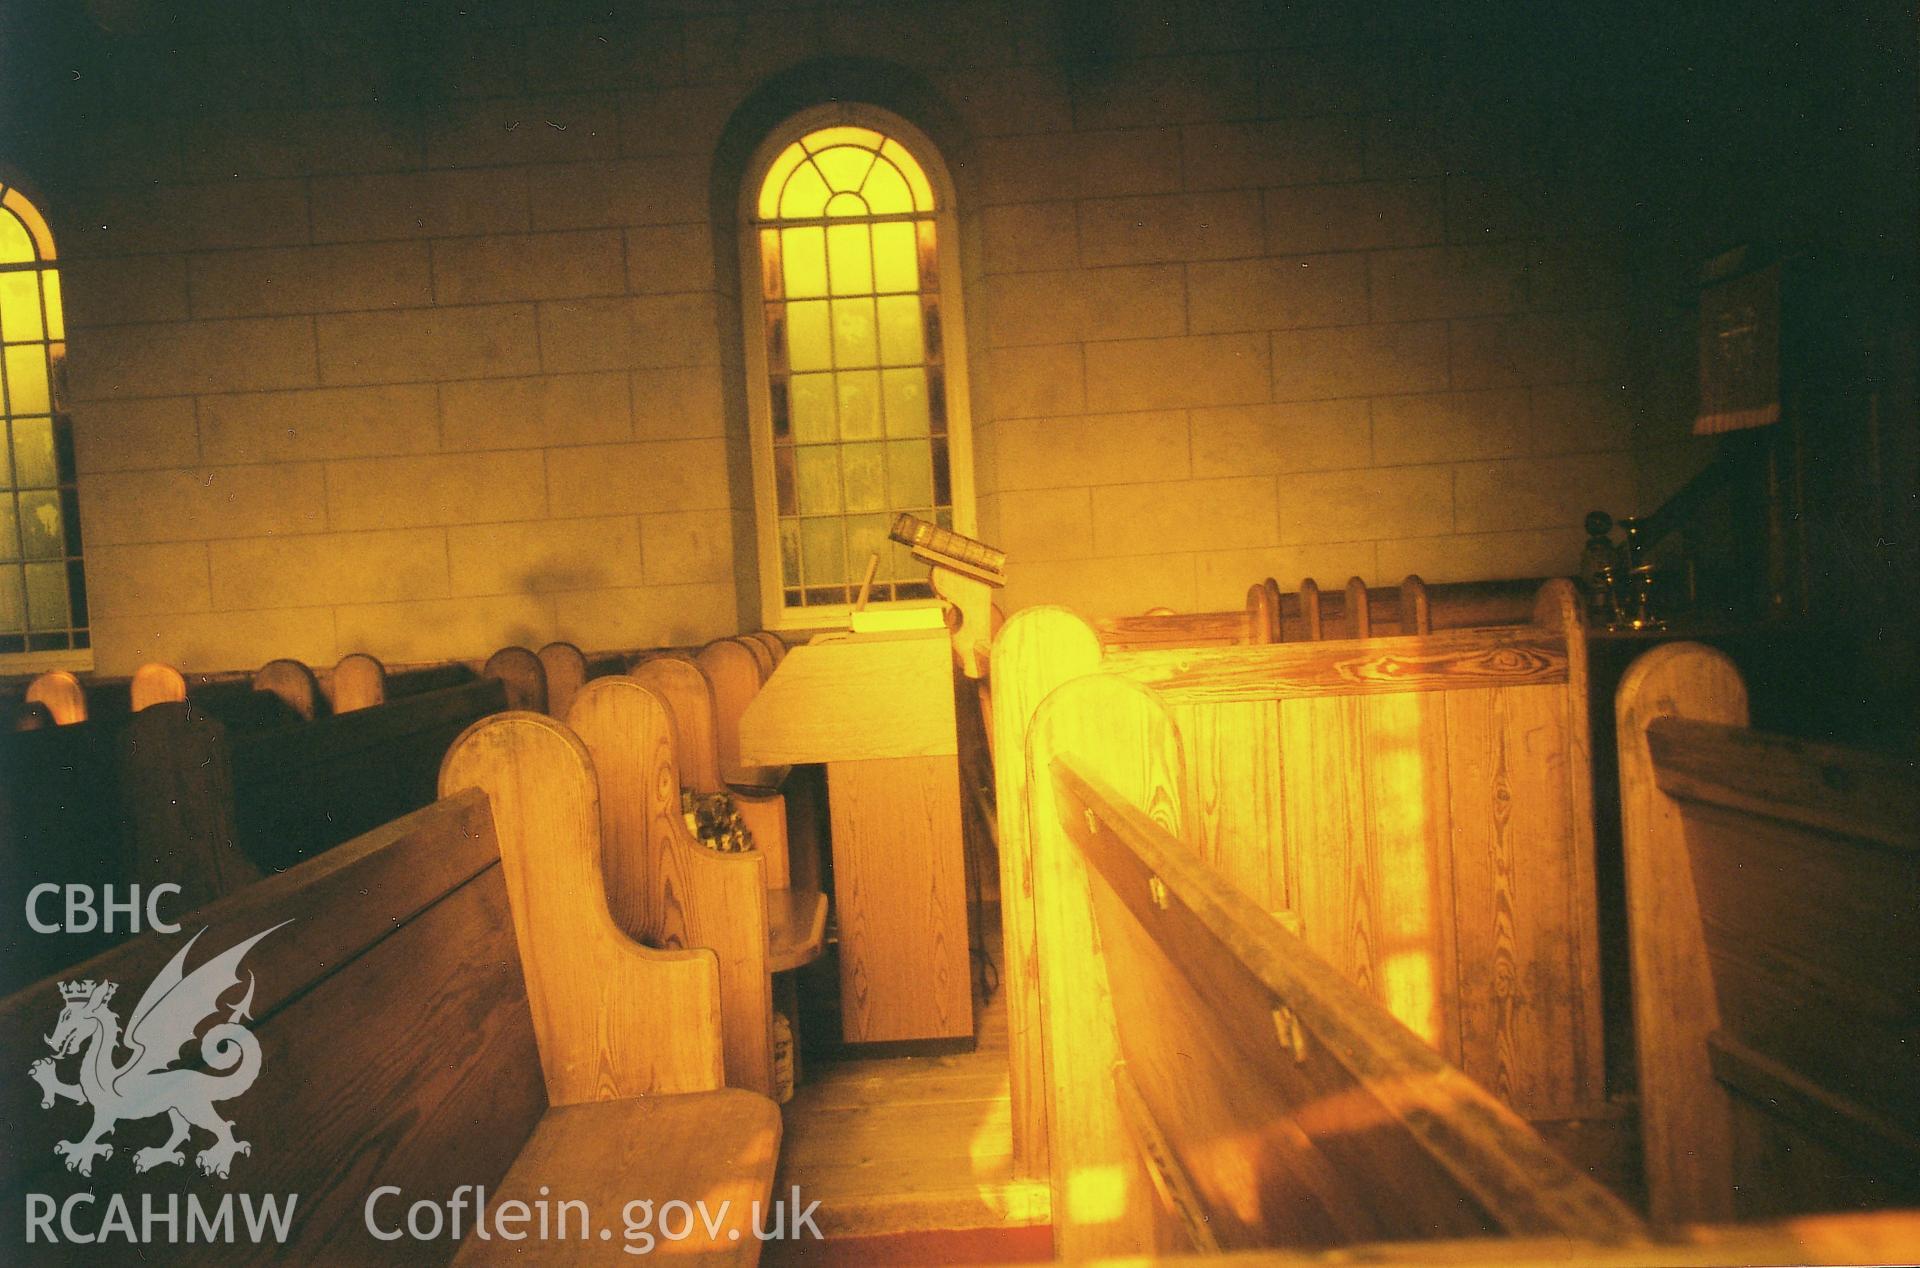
(910, 1144)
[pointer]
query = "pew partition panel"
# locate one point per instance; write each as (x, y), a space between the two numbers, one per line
(797, 906)
(614, 1017)
(666, 889)
(1201, 1053)
(566, 672)
(1421, 805)
(1773, 890)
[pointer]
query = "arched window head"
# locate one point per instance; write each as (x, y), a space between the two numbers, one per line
(857, 376)
(43, 606)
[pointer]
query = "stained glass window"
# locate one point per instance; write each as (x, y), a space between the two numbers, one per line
(858, 388)
(43, 598)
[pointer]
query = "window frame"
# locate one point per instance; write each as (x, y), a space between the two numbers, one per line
(79, 659)
(774, 613)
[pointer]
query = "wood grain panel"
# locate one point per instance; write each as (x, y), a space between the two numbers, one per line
(1318, 1117)
(1821, 787)
(337, 905)
(1409, 822)
(1326, 833)
(900, 889)
(614, 1018)
(663, 887)
(716, 1147)
(848, 698)
(1525, 973)
(1235, 761)
(1102, 1195)
(1037, 650)
(1446, 661)
(1684, 1113)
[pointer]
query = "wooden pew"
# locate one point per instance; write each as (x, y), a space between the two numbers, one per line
(796, 906)
(402, 1043)
(1223, 1081)
(664, 887)
(1773, 890)
(1422, 803)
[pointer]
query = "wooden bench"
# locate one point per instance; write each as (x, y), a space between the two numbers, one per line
(1421, 804)
(1773, 890)
(401, 1043)
(1209, 1076)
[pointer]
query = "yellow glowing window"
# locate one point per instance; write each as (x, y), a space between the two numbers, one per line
(859, 386)
(43, 604)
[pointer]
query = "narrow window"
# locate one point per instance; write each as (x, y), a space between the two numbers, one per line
(856, 361)
(43, 598)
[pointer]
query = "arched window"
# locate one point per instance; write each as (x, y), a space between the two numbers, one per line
(855, 358)
(43, 603)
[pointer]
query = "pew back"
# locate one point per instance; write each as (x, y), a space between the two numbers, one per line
(300, 790)
(393, 1032)
(1773, 886)
(59, 824)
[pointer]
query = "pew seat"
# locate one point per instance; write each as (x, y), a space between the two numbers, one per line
(796, 928)
(697, 1146)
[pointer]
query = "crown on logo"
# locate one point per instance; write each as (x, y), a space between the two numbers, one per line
(74, 992)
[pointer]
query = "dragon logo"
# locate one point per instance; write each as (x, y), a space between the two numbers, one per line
(148, 1082)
